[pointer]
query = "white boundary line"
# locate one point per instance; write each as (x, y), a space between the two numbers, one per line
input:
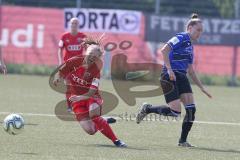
(199, 122)
(218, 123)
(30, 114)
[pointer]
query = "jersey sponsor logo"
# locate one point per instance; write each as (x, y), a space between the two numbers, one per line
(74, 47)
(79, 80)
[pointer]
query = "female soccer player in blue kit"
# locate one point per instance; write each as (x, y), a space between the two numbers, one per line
(178, 61)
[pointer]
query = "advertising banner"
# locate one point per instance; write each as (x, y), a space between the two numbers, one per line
(105, 20)
(216, 31)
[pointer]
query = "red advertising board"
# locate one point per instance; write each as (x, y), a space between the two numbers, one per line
(30, 35)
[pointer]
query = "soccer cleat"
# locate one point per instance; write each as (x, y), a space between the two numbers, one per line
(110, 120)
(142, 112)
(69, 110)
(185, 144)
(119, 143)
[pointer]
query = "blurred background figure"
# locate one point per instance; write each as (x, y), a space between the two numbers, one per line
(3, 68)
(70, 42)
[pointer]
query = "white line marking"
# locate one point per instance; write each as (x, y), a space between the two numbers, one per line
(31, 114)
(128, 119)
(218, 123)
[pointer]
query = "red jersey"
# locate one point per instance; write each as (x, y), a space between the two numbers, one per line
(79, 78)
(71, 45)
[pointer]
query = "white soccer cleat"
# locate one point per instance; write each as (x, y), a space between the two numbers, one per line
(185, 144)
(69, 110)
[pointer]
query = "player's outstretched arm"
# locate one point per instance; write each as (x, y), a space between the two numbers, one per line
(196, 80)
(60, 50)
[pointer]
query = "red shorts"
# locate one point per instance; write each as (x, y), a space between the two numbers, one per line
(81, 108)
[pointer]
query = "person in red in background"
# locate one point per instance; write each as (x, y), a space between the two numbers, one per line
(70, 46)
(3, 68)
(82, 76)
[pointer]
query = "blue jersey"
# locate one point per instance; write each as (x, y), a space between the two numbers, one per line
(181, 54)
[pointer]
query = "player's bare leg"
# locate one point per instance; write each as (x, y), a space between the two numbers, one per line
(102, 125)
(88, 126)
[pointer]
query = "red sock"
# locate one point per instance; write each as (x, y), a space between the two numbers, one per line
(102, 125)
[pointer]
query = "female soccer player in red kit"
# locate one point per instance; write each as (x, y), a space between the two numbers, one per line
(70, 43)
(82, 76)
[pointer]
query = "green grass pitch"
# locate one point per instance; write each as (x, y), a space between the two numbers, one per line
(48, 138)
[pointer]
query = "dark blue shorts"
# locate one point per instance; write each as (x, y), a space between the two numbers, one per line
(178, 87)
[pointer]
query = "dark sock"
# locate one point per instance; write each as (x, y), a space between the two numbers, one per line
(186, 127)
(187, 123)
(162, 110)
